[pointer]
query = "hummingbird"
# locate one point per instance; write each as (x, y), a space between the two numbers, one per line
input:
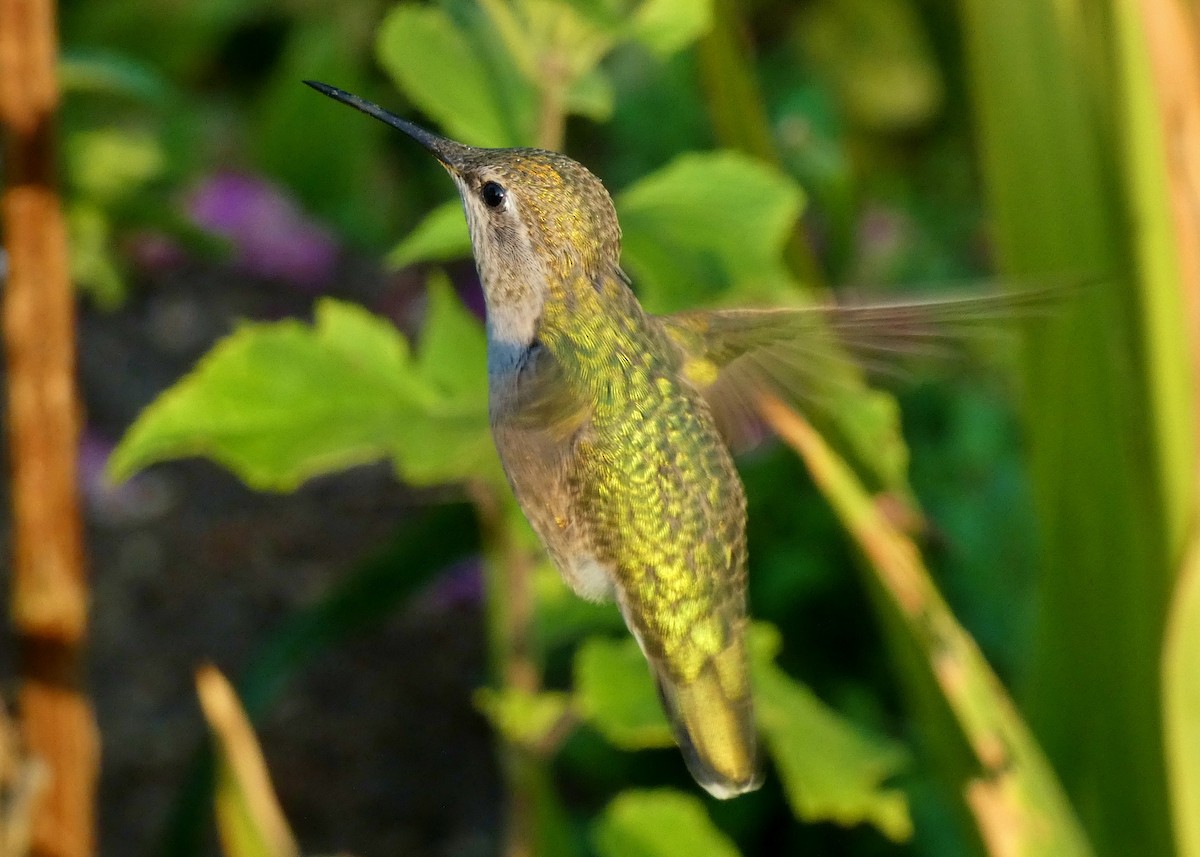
(616, 427)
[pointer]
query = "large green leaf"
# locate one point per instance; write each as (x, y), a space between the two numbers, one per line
(278, 403)
(660, 823)
(831, 769)
(705, 227)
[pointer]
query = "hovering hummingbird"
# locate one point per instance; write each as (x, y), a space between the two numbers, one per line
(615, 426)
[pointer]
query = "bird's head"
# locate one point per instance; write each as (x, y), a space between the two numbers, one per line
(535, 217)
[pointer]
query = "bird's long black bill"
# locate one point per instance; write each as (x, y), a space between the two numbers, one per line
(444, 150)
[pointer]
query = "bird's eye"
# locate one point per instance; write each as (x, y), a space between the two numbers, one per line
(493, 195)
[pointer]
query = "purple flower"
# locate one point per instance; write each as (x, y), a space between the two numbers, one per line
(271, 236)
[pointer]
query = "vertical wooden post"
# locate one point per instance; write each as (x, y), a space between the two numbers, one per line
(49, 589)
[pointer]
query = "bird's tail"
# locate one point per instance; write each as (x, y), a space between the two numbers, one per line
(713, 719)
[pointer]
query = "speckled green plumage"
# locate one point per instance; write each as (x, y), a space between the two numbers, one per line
(656, 482)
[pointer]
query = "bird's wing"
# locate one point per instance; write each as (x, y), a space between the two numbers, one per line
(809, 354)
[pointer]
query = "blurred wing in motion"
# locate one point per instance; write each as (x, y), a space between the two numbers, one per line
(808, 354)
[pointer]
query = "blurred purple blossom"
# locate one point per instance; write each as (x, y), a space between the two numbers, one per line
(272, 237)
(459, 584)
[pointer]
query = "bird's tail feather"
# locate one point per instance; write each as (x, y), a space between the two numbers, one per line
(713, 719)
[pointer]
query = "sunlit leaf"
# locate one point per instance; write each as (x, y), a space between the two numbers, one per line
(249, 819)
(705, 224)
(439, 68)
(591, 95)
(1181, 703)
(667, 26)
(659, 823)
(524, 719)
(452, 354)
(94, 269)
(615, 694)
(110, 163)
(440, 237)
(278, 403)
(831, 769)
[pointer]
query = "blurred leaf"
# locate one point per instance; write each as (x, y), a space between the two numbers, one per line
(93, 268)
(279, 403)
(1181, 703)
(453, 351)
(706, 227)
(659, 823)
(106, 73)
(249, 819)
(615, 694)
(667, 26)
(110, 163)
(831, 769)
(591, 95)
(524, 719)
(439, 70)
(323, 155)
(183, 45)
(440, 237)
(878, 56)
(455, 441)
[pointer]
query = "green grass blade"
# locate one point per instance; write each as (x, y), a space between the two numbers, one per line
(1070, 155)
(1181, 704)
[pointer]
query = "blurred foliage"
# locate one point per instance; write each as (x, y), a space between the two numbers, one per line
(845, 136)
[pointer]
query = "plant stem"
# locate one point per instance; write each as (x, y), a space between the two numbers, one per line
(49, 598)
(509, 594)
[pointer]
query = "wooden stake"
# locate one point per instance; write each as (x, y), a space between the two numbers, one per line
(49, 589)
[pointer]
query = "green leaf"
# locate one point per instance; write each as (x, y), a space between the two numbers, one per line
(108, 164)
(453, 349)
(524, 719)
(615, 694)
(440, 237)
(440, 70)
(668, 26)
(93, 267)
(591, 95)
(249, 819)
(831, 769)
(707, 224)
(278, 403)
(106, 73)
(1181, 704)
(659, 823)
